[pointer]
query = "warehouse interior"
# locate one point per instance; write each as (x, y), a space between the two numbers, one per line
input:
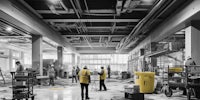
(147, 49)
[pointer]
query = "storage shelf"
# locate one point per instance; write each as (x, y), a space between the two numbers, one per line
(22, 86)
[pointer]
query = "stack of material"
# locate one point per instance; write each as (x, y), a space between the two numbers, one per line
(132, 89)
(118, 98)
(133, 92)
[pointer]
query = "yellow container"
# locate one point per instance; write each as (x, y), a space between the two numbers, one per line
(146, 81)
(176, 69)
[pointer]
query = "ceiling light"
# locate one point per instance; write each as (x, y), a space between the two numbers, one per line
(54, 1)
(9, 29)
(148, 1)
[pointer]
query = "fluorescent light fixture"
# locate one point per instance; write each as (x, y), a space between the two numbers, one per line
(148, 1)
(54, 1)
(9, 29)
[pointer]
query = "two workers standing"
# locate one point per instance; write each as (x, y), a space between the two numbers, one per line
(85, 79)
(75, 74)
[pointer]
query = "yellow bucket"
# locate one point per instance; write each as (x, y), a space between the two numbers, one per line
(146, 81)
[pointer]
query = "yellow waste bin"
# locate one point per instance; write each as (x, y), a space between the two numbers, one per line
(146, 81)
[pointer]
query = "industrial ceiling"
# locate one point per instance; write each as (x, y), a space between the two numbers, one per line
(98, 26)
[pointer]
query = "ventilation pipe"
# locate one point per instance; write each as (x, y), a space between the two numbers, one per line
(124, 42)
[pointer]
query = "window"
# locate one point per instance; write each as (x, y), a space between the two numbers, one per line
(67, 58)
(118, 62)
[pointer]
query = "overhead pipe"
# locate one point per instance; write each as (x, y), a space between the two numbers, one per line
(136, 29)
(113, 27)
(77, 3)
(86, 6)
(151, 21)
(154, 18)
(83, 26)
(85, 38)
(78, 6)
(75, 9)
(63, 5)
(99, 14)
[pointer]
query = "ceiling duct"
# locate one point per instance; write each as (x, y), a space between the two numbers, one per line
(138, 27)
(130, 5)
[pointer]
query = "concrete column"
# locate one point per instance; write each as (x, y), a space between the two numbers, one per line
(73, 59)
(22, 57)
(192, 43)
(60, 55)
(37, 62)
(59, 64)
(10, 58)
(78, 60)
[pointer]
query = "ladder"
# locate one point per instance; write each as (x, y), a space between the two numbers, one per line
(2, 76)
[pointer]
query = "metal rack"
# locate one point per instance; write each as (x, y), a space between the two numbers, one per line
(189, 81)
(1, 74)
(22, 85)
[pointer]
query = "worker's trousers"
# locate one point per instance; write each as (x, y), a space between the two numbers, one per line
(102, 84)
(74, 77)
(51, 81)
(86, 90)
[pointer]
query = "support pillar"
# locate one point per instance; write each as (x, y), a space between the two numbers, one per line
(37, 62)
(78, 60)
(22, 57)
(73, 59)
(192, 43)
(60, 55)
(59, 68)
(11, 61)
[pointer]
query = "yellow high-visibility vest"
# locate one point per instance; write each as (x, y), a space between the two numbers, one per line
(103, 76)
(84, 76)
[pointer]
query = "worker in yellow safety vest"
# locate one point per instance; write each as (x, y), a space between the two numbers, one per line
(84, 76)
(102, 79)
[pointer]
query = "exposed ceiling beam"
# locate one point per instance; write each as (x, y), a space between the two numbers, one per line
(30, 8)
(96, 11)
(71, 11)
(102, 31)
(15, 36)
(104, 27)
(95, 45)
(101, 27)
(102, 51)
(92, 20)
(94, 35)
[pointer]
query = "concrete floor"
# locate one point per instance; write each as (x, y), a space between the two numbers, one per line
(65, 90)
